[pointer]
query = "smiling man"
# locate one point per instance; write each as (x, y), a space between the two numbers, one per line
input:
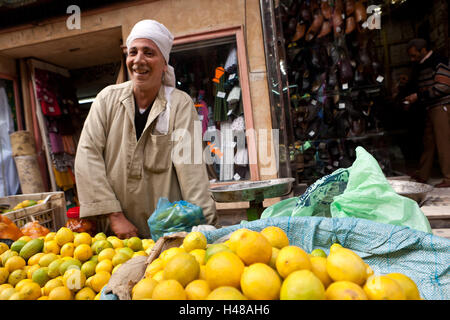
(124, 159)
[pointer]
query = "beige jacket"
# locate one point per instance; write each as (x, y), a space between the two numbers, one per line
(114, 172)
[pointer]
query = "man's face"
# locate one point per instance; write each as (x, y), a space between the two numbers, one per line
(416, 55)
(145, 63)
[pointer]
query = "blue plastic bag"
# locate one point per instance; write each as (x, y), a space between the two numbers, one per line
(174, 217)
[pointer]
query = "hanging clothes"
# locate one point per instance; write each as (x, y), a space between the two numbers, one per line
(9, 179)
(202, 108)
(220, 104)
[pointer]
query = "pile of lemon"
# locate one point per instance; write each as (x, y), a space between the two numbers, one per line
(67, 266)
(262, 265)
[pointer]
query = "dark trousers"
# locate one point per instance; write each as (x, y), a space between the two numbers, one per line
(436, 138)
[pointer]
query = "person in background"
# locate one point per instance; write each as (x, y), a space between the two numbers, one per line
(431, 83)
(124, 160)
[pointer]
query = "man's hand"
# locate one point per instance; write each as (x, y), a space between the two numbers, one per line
(411, 98)
(121, 226)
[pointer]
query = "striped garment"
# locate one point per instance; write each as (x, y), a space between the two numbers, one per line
(433, 81)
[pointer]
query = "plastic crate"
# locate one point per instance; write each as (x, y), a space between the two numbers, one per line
(51, 214)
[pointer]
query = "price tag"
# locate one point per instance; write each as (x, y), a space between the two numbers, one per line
(336, 163)
(237, 177)
(232, 76)
(229, 112)
(311, 133)
(329, 167)
(221, 94)
(380, 79)
(313, 102)
(341, 105)
(345, 86)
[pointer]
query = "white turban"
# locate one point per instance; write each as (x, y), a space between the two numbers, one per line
(161, 36)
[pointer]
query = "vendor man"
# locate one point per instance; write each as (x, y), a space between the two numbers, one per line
(124, 158)
(431, 81)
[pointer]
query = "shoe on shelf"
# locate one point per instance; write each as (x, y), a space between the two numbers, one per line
(443, 185)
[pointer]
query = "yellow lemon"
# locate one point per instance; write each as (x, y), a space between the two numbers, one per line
(168, 254)
(290, 259)
(199, 255)
(302, 285)
(15, 263)
(115, 268)
(31, 270)
(6, 293)
(235, 238)
(34, 259)
(17, 296)
(409, 287)
(116, 243)
(46, 259)
(82, 252)
(319, 268)
(202, 273)
(318, 253)
(49, 236)
(21, 283)
(127, 251)
(183, 267)
(169, 290)
(60, 293)
(224, 269)
(383, 288)
(273, 258)
(104, 265)
(345, 290)
(64, 235)
(67, 263)
(276, 236)
(88, 268)
(226, 293)
(98, 296)
(135, 244)
(214, 249)
(139, 253)
(5, 286)
(82, 238)
(85, 294)
(16, 276)
(99, 236)
(67, 249)
(335, 246)
(31, 291)
(3, 247)
(345, 265)
(106, 254)
(369, 271)
(43, 298)
(260, 282)
(52, 284)
(74, 279)
(194, 240)
(253, 247)
(158, 276)
(197, 290)
(4, 274)
(99, 279)
(24, 238)
(143, 289)
(53, 268)
(51, 247)
(8, 254)
(147, 243)
(119, 258)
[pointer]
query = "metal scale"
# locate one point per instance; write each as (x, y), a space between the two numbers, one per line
(254, 192)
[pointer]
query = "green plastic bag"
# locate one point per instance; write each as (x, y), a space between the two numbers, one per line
(360, 191)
